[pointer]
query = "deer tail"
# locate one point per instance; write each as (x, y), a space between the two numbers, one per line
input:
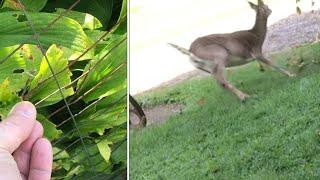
(181, 49)
(205, 65)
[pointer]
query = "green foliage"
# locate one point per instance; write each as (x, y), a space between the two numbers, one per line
(87, 21)
(66, 32)
(274, 135)
(44, 84)
(8, 98)
(9, 68)
(50, 129)
(93, 84)
(101, 9)
(107, 69)
(29, 5)
(104, 149)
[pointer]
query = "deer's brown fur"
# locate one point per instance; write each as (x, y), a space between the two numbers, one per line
(213, 53)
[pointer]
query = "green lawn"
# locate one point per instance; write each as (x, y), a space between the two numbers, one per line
(273, 135)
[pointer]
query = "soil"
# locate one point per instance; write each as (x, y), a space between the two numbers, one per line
(157, 114)
(288, 32)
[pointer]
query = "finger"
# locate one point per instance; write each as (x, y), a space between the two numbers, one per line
(23, 153)
(17, 127)
(41, 160)
(8, 166)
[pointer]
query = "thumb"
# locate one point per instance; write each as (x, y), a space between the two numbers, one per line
(17, 127)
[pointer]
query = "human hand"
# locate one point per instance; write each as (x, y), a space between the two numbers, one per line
(24, 154)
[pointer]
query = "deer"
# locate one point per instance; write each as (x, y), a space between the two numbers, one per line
(216, 52)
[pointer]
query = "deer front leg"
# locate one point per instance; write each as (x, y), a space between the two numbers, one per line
(218, 73)
(268, 62)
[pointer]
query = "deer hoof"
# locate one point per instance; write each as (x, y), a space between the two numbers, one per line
(292, 75)
(243, 97)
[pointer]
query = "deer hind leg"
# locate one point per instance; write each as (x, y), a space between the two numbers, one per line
(214, 58)
(268, 62)
(261, 67)
(218, 73)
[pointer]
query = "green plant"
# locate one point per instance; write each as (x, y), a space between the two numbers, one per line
(71, 63)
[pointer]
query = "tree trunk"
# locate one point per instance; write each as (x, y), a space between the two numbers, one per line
(138, 111)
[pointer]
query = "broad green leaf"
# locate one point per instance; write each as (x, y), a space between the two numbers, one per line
(120, 154)
(109, 39)
(74, 171)
(114, 42)
(61, 159)
(110, 84)
(61, 155)
(121, 28)
(104, 119)
(107, 113)
(6, 108)
(60, 165)
(13, 69)
(15, 73)
(98, 150)
(94, 34)
(104, 149)
(118, 97)
(113, 117)
(113, 100)
(45, 84)
(15, 29)
(49, 128)
(7, 94)
(109, 73)
(87, 21)
(115, 135)
(123, 12)
(74, 55)
(65, 41)
(80, 159)
(8, 98)
(32, 56)
(101, 9)
(29, 5)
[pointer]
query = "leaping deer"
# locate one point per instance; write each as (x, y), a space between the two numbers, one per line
(213, 53)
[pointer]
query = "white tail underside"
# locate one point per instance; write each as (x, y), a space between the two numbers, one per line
(202, 64)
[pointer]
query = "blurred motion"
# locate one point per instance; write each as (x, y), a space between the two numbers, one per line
(155, 23)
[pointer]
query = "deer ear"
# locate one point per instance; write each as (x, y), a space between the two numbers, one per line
(253, 6)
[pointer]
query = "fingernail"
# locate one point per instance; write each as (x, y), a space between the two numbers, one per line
(25, 109)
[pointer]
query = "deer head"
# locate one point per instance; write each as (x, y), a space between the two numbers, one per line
(261, 9)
